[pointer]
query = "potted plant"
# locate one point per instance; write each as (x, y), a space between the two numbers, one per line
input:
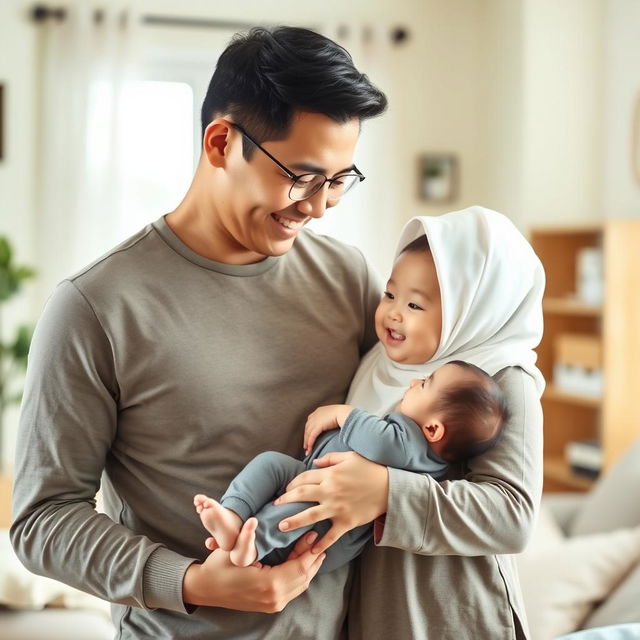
(13, 352)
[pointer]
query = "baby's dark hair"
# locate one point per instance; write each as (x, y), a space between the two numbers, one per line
(474, 413)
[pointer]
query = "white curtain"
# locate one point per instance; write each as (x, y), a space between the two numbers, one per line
(87, 59)
(365, 218)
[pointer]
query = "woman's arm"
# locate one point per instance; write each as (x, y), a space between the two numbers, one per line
(490, 511)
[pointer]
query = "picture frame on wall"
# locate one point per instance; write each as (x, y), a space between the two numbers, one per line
(438, 177)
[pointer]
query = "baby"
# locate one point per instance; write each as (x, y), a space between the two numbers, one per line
(454, 414)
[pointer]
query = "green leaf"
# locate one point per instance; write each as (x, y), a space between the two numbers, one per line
(24, 273)
(5, 252)
(20, 347)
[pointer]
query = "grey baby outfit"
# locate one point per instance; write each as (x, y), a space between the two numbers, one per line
(394, 441)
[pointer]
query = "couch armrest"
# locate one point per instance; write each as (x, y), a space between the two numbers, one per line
(564, 507)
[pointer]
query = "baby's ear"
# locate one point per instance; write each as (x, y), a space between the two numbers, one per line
(434, 430)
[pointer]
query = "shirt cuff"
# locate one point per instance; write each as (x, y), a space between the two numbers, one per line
(162, 580)
(407, 511)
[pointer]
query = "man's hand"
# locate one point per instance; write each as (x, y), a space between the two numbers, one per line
(219, 583)
(351, 491)
(331, 416)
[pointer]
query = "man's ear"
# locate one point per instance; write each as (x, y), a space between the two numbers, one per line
(434, 430)
(214, 142)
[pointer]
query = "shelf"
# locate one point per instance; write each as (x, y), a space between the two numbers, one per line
(571, 306)
(553, 393)
(557, 471)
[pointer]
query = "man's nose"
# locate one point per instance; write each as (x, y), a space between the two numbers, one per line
(317, 204)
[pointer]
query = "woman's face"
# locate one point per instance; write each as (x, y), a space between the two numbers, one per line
(409, 316)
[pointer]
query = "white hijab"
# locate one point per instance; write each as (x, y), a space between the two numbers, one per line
(491, 285)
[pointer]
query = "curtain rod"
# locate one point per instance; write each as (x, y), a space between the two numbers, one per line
(41, 13)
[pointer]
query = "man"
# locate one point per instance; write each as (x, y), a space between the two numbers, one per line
(204, 339)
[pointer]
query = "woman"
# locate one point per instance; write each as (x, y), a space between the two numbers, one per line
(441, 566)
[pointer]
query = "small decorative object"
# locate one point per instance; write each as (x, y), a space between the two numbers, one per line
(578, 364)
(13, 353)
(584, 457)
(438, 177)
(590, 288)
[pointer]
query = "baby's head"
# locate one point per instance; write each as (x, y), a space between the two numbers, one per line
(460, 409)
(409, 316)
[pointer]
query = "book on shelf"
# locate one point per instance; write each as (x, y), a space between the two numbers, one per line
(584, 457)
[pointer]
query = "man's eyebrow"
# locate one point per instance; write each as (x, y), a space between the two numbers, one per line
(313, 168)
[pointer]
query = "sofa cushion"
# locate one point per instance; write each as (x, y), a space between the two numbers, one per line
(622, 605)
(563, 580)
(612, 503)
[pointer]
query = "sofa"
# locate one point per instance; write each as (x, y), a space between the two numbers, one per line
(581, 569)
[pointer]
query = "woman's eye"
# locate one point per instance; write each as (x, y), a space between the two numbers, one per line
(413, 305)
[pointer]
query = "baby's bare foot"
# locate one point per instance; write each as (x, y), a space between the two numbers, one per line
(223, 524)
(244, 552)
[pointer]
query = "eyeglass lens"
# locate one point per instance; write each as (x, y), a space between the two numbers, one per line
(308, 184)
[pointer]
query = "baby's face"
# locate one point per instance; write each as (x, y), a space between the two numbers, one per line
(420, 400)
(409, 316)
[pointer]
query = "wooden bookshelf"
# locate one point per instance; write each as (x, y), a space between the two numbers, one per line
(559, 477)
(614, 418)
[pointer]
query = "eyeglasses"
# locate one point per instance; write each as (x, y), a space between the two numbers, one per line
(307, 184)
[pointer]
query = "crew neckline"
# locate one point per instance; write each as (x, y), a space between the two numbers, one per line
(243, 270)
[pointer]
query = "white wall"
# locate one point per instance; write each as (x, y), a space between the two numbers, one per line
(502, 104)
(563, 79)
(621, 192)
(544, 78)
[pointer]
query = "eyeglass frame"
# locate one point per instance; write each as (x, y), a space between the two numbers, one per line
(292, 176)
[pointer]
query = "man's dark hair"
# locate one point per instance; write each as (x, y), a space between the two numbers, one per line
(473, 413)
(264, 76)
(419, 245)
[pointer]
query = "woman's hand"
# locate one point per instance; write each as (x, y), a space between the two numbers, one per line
(350, 490)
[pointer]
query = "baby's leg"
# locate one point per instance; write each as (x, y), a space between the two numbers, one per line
(251, 493)
(222, 523)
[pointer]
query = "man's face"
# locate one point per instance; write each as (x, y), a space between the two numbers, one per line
(258, 218)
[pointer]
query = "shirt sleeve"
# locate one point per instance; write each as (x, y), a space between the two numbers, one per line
(492, 508)
(67, 425)
(382, 440)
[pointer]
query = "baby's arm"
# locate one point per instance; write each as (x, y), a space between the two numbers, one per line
(325, 418)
